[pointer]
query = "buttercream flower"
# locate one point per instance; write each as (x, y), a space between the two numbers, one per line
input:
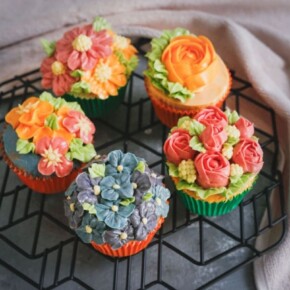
(160, 197)
(82, 47)
(245, 127)
(155, 179)
(176, 147)
(106, 77)
(113, 187)
(53, 158)
(77, 123)
(213, 169)
(118, 162)
(249, 155)
(73, 210)
(113, 214)
(124, 45)
(212, 116)
(118, 238)
(144, 220)
(213, 137)
(141, 184)
(56, 76)
(189, 61)
(88, 188)
(91, 230)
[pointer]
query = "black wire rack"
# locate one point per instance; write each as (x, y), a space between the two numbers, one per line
(189, 252)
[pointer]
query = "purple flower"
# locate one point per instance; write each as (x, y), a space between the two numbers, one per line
(141, 184)
(73, 210)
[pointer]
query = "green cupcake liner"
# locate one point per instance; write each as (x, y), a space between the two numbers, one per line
(96, 108)
(210, 209)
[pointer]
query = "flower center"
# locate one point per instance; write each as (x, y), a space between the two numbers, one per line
(114, 208)
(51, 156)
(123, 236)
(158, 201)
(134, 185)
(144, 221)
(154, 175)
(89, 229)
(57, 68)
(116, 186)
(97, 189)
(120, 168)
(120, 42)
(103, 72)
(82, 43)
(72, 207)
(27, 108)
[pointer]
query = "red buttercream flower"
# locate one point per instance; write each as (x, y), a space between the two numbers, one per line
(213, 137)
(82, 47)
(53, 158)
(212, 116)
(176, 147)
(56, 76)
(249, 155)
(213, 169)
(77, 123)
(245, 127)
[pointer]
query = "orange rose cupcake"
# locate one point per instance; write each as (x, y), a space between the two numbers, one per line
(45, 142)
(184, 75)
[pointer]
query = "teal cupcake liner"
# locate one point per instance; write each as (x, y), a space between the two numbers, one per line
(96, 108)
(210, 209)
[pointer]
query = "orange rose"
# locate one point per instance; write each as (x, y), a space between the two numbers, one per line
(189, 61)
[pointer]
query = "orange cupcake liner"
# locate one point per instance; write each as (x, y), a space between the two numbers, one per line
(169, 115)
(46, 185)
(129, 249)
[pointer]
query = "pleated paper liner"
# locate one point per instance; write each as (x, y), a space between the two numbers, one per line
(129, 249)
(168, 114)
(211, 208)
(95, 108)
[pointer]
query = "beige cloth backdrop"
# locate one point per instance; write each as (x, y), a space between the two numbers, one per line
(253, 37)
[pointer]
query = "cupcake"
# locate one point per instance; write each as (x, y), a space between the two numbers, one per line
(45, 142)
(184, 75)
(90, 65)
(213, 160)
(117, 204)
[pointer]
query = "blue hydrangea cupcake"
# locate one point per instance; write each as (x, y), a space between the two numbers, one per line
(117, 204)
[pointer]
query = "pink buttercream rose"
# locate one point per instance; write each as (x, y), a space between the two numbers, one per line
(213, 137)
(176, 147)
(213, 170)
(249, 155)
(245, 127)
(212, 116)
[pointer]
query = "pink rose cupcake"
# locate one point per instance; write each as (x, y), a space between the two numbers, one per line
(213, 160)
(90, 64)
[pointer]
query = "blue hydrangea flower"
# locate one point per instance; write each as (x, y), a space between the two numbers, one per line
(73, 210)
(160, 197)
(113, 214)
(141, 184)
(117, 238)
(88, 188)
(144, 220)
(118, 162)
(115, 187)
(91, 230)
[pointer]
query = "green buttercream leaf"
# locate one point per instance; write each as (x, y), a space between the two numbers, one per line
(89, 207)
(97, 170)
(196, 145)
(233, 117)
(81, 152)
(232, 140)
(202, 193)
(100, 24)
(172, 169)
(127, 201)
(77, 73)
(24, 146)
(140, 166)
(147, 196)
(80, 88)
(130, 64)
(239, 183)
(51, 121)
(48, 46)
